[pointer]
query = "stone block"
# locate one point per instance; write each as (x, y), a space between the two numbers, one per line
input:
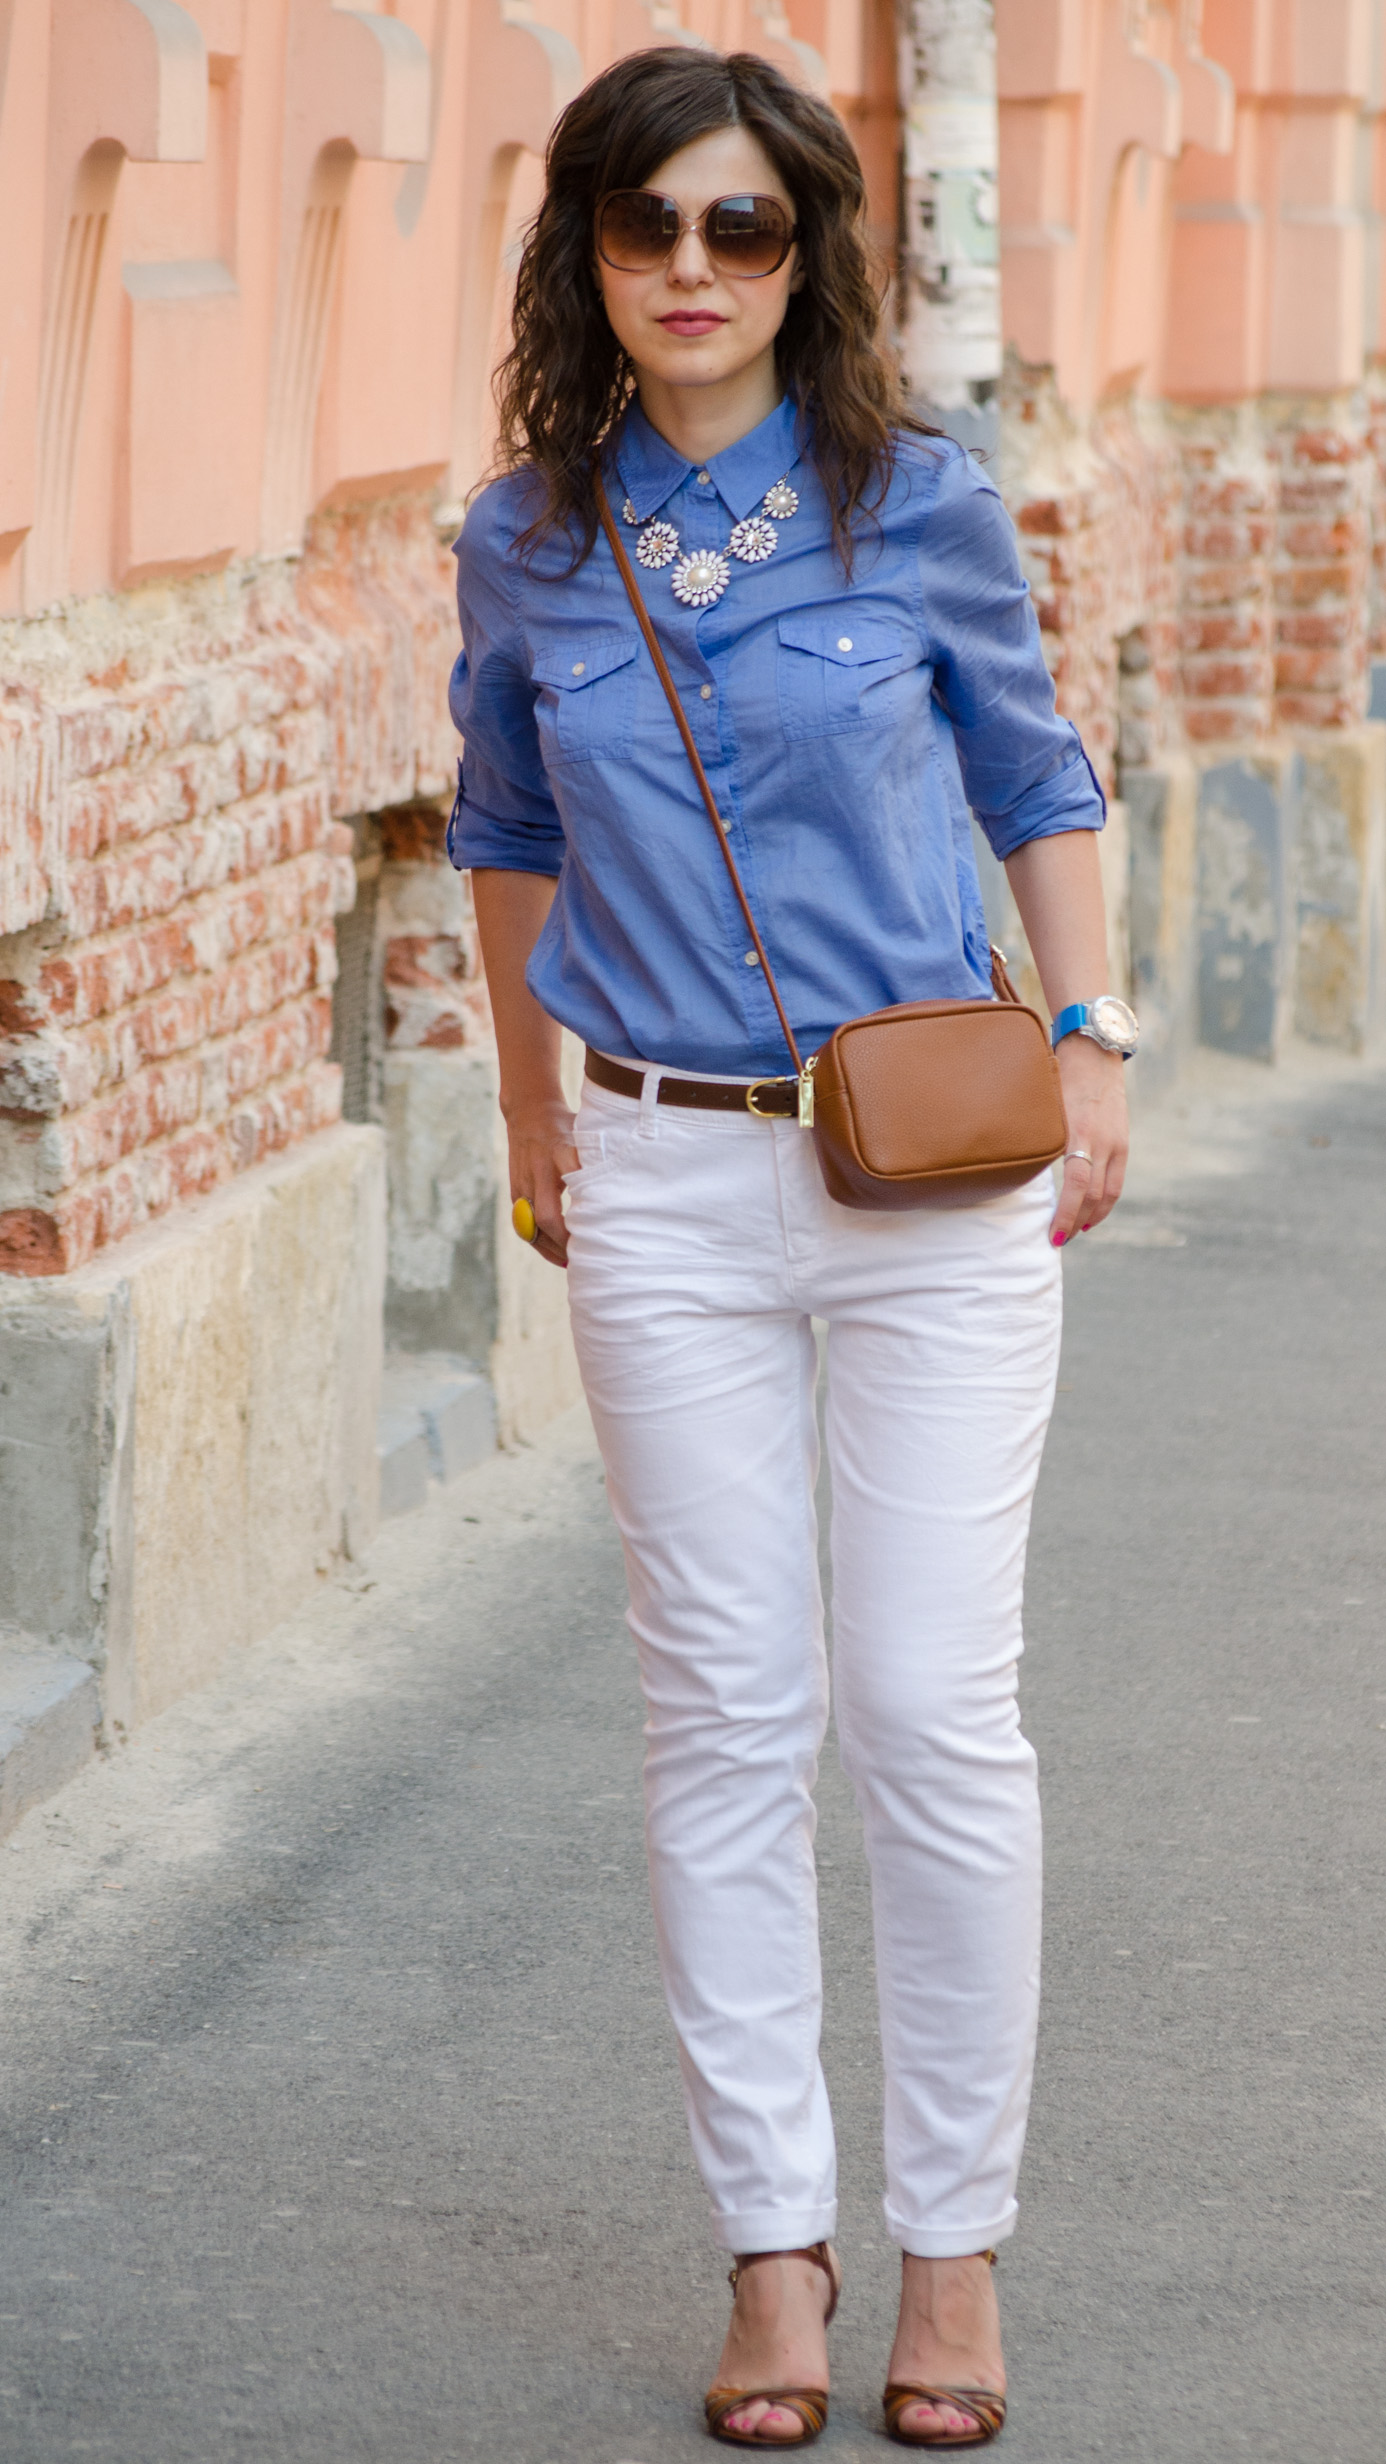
(459, 1281)
(461, 1422)
(403, 1457)
(1248, 812)
(449, 1404)
(67, 1371)
(1161, 806)
(49, 1714)
(1339, 884)
(191, 1423)
(441, 1122)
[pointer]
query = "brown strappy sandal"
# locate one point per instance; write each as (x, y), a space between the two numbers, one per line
(987, 2408)
(810, 2403)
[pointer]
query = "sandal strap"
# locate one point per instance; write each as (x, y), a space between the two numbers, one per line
(821, 2254)
(810, 2403)
(987, 2408)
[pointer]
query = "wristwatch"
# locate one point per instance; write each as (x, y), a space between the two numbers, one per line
(1108, 1021)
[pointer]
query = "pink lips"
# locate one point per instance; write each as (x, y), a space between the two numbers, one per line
(691, 323)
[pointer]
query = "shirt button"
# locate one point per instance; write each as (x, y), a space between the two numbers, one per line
(580, 665)
(704, 479)
(707, 692)
(751, 959)
(844, 641)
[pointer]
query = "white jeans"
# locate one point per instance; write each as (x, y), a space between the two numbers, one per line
(702, 1245)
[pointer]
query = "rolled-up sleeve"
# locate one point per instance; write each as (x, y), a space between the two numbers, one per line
(1024, 769)
(505, 817)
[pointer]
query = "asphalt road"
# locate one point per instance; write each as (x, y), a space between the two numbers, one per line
(341, 2118)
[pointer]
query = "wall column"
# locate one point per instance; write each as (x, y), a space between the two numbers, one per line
(950, 261)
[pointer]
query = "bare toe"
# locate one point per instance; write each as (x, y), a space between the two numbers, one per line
(768, 2421)
(921, 2416)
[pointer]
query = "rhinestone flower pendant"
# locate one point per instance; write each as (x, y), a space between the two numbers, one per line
(628, 512)
(700, 577)
(657, 545)
(754, 540)
(780, 501)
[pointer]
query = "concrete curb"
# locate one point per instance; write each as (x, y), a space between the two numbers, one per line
(49, 1711)
(437, 1419)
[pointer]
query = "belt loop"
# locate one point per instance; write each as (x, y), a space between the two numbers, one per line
(649, 1098)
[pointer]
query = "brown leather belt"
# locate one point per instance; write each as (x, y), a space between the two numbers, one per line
(776, 1099)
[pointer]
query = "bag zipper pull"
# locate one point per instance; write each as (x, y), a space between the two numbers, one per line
(806, 1091)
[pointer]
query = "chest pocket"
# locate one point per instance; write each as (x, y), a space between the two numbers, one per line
(826, 662)
(587, 705)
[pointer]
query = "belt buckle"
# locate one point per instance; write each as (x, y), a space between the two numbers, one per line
(753, 1091)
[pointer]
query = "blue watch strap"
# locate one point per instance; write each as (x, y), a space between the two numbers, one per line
(1069, 1021)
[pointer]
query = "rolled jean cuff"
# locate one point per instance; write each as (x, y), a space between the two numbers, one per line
(960, 2243)
(775, 2228)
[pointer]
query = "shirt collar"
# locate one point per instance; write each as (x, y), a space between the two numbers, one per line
(650, 469)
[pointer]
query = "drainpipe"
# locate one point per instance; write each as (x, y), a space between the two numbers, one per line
(950, 257)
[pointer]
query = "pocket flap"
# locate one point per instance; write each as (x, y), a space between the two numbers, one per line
(584, 659)
(849, 641)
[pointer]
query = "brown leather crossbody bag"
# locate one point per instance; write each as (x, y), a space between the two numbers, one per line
(933, 1103)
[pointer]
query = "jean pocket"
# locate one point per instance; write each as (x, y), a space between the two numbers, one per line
(599, 1153)
(827, 661)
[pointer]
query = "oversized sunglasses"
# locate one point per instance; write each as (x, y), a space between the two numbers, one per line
(638, 231)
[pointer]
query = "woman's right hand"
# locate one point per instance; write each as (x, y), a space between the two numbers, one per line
(541, 1151)
(511, 909)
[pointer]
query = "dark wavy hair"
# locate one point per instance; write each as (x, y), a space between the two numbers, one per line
(566, 379)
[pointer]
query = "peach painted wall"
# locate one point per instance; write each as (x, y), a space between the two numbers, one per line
(1191, 193)
(255, 251)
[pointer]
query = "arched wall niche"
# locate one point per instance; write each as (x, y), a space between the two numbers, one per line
(512, 198)
(63, 370)
(300, 344)
(530, 69)
(1135, 249)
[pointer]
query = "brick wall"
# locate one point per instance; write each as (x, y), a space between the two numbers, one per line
(171, 767)
(1226, 611)
(435, 996)
(1322, 458)
(1243, 543)
(1098, 511)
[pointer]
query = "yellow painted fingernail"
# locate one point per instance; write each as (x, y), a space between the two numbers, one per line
(523, 1218)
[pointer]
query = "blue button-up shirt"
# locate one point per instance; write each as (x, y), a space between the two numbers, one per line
(845, 728)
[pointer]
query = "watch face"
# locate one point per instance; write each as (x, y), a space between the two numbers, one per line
(1116, 1025)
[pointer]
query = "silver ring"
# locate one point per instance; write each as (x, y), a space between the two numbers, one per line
(1077, 1153)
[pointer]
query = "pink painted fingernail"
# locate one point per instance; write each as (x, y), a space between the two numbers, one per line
(1057, 1239)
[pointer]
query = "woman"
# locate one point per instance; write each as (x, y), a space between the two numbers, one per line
(839, 598)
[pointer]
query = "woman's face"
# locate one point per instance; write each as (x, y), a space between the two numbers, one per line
(686, 323)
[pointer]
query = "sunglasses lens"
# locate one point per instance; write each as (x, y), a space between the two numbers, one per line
(636, 230)
(748, 235)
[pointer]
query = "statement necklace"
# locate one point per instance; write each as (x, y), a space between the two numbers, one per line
(702, 574)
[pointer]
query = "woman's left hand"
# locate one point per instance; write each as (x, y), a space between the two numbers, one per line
(1095, 1102)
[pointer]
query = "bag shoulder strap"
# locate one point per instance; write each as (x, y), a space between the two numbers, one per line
(1002, 986)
